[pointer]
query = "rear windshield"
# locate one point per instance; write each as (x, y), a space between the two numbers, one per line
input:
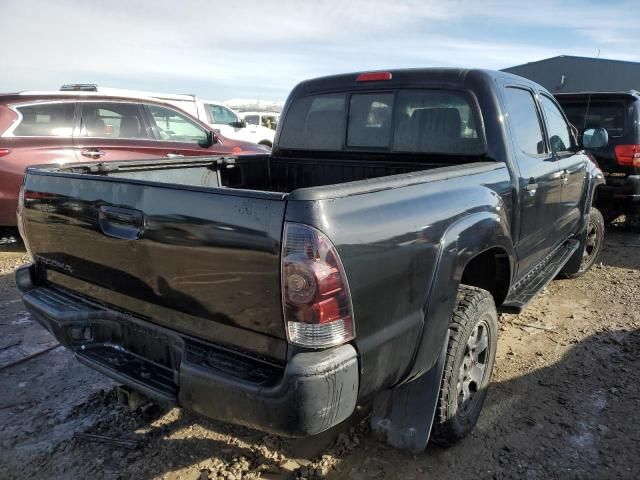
(608, 115)
(402, 121)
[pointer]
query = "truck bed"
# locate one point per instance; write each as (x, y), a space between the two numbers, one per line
(260, 172)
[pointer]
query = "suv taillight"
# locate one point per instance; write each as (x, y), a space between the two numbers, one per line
(315, 293)
(628, 155)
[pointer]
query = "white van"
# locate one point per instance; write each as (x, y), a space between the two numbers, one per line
(219, 117)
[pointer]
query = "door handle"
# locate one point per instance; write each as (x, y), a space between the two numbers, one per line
(174, 155)
(92, 153)
(123, 223)
(564, 178)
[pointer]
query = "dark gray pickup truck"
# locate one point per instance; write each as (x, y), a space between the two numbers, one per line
(363, 262)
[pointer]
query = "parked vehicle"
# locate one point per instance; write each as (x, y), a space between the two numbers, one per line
(268, 120)
(363, 261)
(619, 114)
(219, 117)
(63, 127)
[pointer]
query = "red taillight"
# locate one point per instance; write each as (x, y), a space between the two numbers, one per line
(374, 77)
(4, 152)
(315, 293)
(628, 155)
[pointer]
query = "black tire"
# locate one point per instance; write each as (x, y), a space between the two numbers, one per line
(593, 246)
(455, 417)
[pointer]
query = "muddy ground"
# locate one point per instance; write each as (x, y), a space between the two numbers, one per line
(563, 403)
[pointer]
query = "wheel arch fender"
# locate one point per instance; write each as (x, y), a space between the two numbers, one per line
(465, 240)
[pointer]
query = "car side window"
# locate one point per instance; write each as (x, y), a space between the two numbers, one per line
(113, 120)
(45, 120)
(270, 121)
(173, 126)
(252, 119)
(222, 115)
(558, 129)
(524, 120)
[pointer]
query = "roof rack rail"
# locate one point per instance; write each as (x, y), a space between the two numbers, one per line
(79, 87)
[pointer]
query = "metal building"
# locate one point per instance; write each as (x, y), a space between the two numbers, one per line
(578, 74)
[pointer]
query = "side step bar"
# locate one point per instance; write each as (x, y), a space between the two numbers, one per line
(522, 292)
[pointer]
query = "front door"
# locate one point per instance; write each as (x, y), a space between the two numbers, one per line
(539, 179)
(177, 134)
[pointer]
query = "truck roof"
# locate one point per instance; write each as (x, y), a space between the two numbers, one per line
(443, 77)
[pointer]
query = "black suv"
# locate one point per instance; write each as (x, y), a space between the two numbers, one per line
(619, 114)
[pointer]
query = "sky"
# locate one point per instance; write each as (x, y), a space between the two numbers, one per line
(260, 48)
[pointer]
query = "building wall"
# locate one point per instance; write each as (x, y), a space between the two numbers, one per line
(576, 74)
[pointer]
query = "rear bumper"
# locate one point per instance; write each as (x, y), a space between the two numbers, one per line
(311, 393)
(622, 191)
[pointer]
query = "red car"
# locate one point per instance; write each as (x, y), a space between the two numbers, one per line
(62, 127)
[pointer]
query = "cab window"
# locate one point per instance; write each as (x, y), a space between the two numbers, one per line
(113, 120)
(252, 119)
(222, 115)
(45, 120)
(172, 126)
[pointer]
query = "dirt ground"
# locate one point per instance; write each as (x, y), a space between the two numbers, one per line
(563, 403)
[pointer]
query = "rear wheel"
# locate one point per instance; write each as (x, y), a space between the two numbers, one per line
(468, 365)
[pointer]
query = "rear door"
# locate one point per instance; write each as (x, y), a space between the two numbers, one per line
(110, 130)
(41, 134)
(540, 183)
(573, 164)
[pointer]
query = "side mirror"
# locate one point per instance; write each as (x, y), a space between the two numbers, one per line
(593, 138)
(211, 139)
(239, 124)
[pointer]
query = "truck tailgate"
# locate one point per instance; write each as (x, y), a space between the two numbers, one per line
(201, 261)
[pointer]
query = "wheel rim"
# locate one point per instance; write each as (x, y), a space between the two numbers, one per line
(474, 366)
(592, 244)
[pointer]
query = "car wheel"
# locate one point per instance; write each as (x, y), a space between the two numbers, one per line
(593, 244)
(470, 357)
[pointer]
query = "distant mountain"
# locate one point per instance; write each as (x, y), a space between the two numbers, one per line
(254, 105)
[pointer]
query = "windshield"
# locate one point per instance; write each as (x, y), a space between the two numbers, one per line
(402, 121)
(608, 115)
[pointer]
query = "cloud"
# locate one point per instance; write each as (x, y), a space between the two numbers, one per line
(262, 48)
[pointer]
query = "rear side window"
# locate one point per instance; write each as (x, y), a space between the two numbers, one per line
(45, 120)
(524, 120)
(406, 121)
(607, 115)
(269, 121)
(113, 120)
